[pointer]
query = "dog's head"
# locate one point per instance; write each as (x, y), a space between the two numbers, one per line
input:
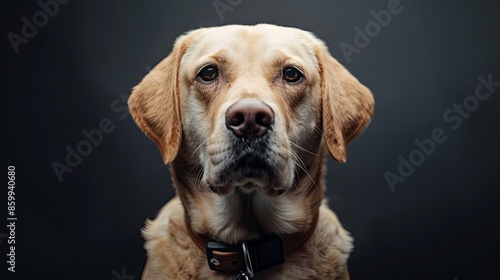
(248, 108)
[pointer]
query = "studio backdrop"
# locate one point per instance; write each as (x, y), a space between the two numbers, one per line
(419, 192)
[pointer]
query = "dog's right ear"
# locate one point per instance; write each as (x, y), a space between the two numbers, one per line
(155, 105)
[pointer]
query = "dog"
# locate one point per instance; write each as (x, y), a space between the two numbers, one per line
(245, 115)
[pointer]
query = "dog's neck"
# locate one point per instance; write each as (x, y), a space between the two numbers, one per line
(238, 217)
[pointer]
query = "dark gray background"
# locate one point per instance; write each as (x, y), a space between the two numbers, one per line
(442, 222)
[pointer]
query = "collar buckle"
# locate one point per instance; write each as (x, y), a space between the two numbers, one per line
(250, 256)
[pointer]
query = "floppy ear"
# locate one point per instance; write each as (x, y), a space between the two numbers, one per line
(347, 105)
(154, 103)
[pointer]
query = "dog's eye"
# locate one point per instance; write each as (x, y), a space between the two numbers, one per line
(208, 73)
(292, 74)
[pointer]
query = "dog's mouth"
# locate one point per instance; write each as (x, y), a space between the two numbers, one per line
(251, 166)
(248, 169)
(245, 169)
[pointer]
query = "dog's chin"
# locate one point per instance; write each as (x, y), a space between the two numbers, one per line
(247, 181)
(245, 190)
(251, 187)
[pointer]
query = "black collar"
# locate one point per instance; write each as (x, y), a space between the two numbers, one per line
(251, 256)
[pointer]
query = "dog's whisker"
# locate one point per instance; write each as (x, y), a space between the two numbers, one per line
(308, 175)
(299, 159)
(191, 170)
(318, 130)
(204, 142)
(160, 166)
(199, 178)
(302, 166)
(302, 148)
(297, 176)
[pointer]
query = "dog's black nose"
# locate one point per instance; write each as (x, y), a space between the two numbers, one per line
(249, 118)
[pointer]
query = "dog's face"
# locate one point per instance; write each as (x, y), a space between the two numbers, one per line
(248, 108)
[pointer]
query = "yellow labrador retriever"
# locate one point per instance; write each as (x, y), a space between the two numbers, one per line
(245, 115)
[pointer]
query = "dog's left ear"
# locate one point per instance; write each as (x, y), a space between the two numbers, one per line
(155, 105)
(347, 105)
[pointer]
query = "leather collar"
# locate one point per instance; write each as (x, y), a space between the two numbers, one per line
(251, 256)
